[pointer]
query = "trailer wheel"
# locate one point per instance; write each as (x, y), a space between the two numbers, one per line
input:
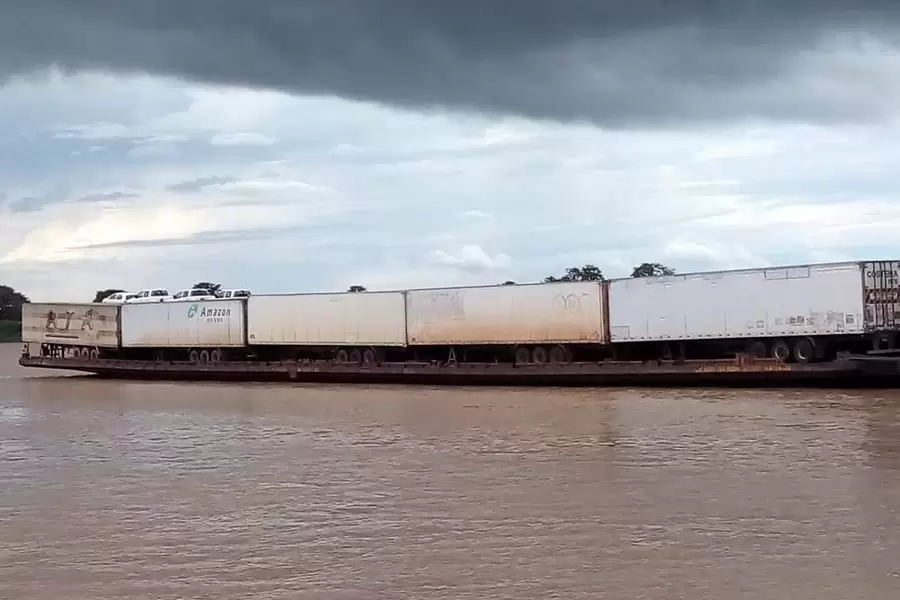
(559, 354)
(757, 349)
(781, 350)
(194, 356)
(804, 350)
(204, 356)
(539, 355)
(369, 357)
(884, 341)
(355, 356)
(94, 354)
(215, 356)
(342, 356)
(523, 356)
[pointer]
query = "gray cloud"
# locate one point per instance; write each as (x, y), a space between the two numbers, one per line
(198, 184)
(28, 204)
(198, 239)
(107, 197)
(612, 62)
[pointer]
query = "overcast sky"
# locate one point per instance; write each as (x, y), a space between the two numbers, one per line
(312, 145)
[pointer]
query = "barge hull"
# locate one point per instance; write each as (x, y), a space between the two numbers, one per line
(740, 372)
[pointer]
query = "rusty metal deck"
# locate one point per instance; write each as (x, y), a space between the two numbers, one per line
(741, 372)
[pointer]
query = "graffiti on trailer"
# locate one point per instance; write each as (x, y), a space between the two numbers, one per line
(883, 296)
(567, 303)
(53, 320)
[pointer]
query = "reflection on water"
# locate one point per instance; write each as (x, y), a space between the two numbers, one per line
(153, 490)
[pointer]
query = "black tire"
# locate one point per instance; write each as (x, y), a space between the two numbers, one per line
(355, 356)
(884, 341)
(781, 350)
(804, 350)
(539, 355)
(369, 357)
(523, 356)
(757, 349)
(94, 354)
(342, 356)
(559, 354)
(215, 357)
(194, 356)
(204, 356)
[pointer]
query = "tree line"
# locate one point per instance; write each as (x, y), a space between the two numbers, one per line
(587, 272)
(591, 272)
(11, 303)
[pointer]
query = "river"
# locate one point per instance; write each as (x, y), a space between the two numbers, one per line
(127, 490)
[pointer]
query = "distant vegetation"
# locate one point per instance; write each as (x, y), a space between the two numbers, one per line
(651, 270)
(590, 272)
(11, 303)
(586, 273)
(10, 331)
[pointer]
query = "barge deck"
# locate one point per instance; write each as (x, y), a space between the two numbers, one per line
(741, 371)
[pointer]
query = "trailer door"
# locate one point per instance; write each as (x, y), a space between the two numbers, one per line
(881, 286)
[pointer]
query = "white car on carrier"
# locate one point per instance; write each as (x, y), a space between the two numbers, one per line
(149, 295)
(118, 298)
(192, 295)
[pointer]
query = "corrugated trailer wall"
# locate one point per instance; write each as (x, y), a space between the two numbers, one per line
(202, 324)
(787, 301)
(339, 319)
(71, 324)
(881, 282)
(570, 312)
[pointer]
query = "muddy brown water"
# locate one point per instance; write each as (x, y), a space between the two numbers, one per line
(126, 490)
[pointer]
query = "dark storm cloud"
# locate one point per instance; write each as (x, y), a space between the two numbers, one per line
(608, 61)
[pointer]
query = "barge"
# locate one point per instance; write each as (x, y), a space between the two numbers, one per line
(748, 327)
(741, 371)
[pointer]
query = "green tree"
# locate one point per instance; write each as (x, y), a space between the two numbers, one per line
(588, 272)
(214, 288)
(102, 294)
(11, 303)
(652, 270)
(357, 288)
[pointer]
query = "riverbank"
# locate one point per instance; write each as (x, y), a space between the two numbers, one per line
(10, 331)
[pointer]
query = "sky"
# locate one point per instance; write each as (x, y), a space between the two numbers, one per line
(309, 146)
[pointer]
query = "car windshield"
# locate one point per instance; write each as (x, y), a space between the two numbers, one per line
(199, 293)
(159, 293)
(241, 294)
